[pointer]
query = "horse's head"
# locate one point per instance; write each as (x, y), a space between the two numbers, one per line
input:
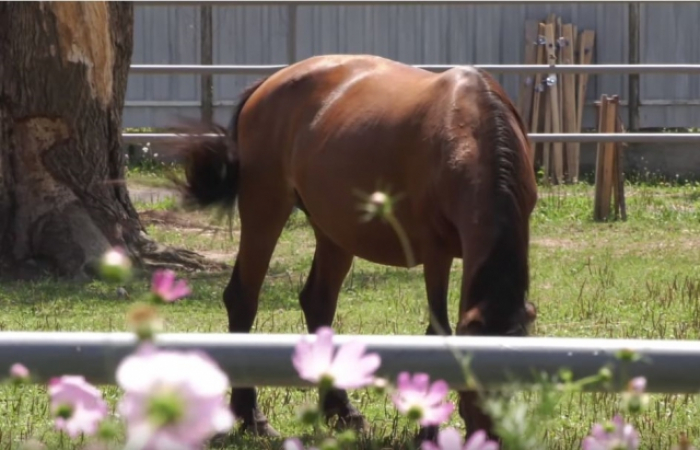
(479, 320)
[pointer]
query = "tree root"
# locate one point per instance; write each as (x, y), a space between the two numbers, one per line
(157, 256)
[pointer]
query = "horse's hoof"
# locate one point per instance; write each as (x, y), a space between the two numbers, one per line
(260, 429)
(353, 422)
(429, 433)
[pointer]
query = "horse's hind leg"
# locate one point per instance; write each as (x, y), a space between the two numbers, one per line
(319, 299)
(262, 222)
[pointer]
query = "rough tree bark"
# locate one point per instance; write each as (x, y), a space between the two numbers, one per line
(63, 77)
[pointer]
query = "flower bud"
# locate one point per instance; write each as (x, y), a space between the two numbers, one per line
(115, 266)
(378, 205)
(380, 385)
(605, 374)
(627, 355)
(19, 373)
(144, 321)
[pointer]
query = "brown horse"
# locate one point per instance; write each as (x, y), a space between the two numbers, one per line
(315, 133)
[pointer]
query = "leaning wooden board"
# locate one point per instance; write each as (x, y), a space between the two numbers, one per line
(585, 47)
(527, 85)
(554, 109)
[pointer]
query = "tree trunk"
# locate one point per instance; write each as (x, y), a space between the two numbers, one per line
(63, 199)
(63, 77)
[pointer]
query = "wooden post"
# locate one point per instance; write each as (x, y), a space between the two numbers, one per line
(620, 204)
(608, 175)
(207, 58)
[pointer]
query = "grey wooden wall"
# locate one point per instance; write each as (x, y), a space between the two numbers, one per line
(414, 34)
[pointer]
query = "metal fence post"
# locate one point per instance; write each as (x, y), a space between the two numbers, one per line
(206, 58)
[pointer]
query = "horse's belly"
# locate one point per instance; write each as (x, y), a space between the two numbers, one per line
(342, 219)
(376, 243)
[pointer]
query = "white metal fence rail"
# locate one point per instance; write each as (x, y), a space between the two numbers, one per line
(265, 359)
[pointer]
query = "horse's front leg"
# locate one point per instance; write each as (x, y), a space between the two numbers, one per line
(318, 300)
(436, 272)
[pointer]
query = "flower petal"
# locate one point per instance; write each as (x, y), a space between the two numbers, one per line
(292, 444)
(351, 369)
(437, 392)
(449, 439)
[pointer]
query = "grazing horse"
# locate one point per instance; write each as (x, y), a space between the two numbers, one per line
(451, 145)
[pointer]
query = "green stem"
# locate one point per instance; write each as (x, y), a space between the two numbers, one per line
(322, 393)
(403, 238)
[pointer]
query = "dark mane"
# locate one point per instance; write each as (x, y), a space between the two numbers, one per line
(503, 280)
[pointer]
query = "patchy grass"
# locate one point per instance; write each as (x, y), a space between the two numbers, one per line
(636, 279)
(151, 174)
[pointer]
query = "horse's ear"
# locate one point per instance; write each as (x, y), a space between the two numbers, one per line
(530, 312)
(472, 323)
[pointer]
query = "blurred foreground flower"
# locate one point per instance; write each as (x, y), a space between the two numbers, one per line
(419, 400)
(77, 406)
(295, 444)
(451, 439)
(378, 204)
(164, 288)
(615, 435)
(115, 266)
(18, 372)
(172, 399)
(351, 367)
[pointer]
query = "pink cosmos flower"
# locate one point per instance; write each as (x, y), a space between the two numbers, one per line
(164, 287)
(19, 371)
(451, 439)
(77, 405)
(616, 435)
(172, 400)
(421, 401)
(351, 367)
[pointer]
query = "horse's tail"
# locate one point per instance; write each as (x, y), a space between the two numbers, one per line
(211, 162)
(503, 277)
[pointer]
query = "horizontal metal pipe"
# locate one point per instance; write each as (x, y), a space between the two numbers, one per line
(368, 2)
(669, 138)
(265, 359)
(620, 69)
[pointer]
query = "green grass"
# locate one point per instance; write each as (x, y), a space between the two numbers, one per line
(637, 279)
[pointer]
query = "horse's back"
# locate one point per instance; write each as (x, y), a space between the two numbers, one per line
(334, 126)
